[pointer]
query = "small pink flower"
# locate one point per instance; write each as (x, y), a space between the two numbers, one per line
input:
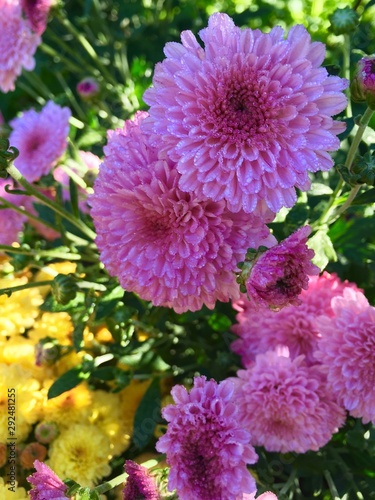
(88, 87)
(46, 485)
(41, 139)
(264, 496)
(18, 44)
(139, 484)
(11, 222)
(279, 275)
(285, 404)
(248, 116)
(36, 12)
(207, 450)
(347, 352)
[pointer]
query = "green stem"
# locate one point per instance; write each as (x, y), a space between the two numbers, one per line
(22, 211)
(346, 71)
(17, 176)
(32, 93)
(57, 56)
(326, 216)
(34, 284)
(70, 96)
(88, 48)
(40, 253)
(331, 485)
(289, 483)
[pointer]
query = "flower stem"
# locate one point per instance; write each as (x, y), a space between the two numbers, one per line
(325, 218)
(346, 71)
(331, 485)
(54, 254)
(12, 289)
(17, 176)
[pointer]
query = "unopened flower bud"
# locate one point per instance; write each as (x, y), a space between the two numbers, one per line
(64, 288)
(88, 88)
(46, 432)
(47, 351)
(32, 452)
(364, 168)
(362, 87)
(344, 21)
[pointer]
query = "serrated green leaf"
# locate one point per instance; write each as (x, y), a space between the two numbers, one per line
(323, 248)
(67, 381)
(147, 415)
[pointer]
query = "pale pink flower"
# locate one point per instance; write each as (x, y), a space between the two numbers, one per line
(264, 496)
(166, 245)
(247, 116)
(285, 404)
(46, 485)
(347, 352)
(88, 87)
(279, 275)
(139, 484)
(36, 12)
(11, 222)
(41, 139)
(207, 450)
(295, 327)
(18, 44)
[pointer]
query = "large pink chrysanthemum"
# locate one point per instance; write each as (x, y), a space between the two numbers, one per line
(11, 222)
(249, 115)
(207, 450)
(295, 327)
(46, 485)
(167, 245)
(285, 405)
(18, 44)
(347, 352)
(278, 276)
(41, 139)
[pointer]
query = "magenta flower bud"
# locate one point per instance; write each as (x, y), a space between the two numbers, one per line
(362, 86)
(46, 432)
(88, 88)
(278, 275)
(36, 12)
(140, 484)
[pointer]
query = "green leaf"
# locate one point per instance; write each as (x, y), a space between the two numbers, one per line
(323, 248)
(78, 336)
(319, 189)
(67, 381)
(147, 415)
(365, 198)
(219, 322)
(73, 192)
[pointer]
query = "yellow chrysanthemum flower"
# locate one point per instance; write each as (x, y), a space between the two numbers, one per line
(106, 414)
(130, 398)
(56, 325)
(12, 494)
(70, 407)
(28, 400)
(18, 311)
(20, 350)
(82, 453)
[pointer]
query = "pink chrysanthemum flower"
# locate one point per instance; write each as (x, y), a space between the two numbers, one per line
(36, 12)
(295, 327)
(18, 44)
(167, 245)
(11, 222)
(264, 496)
(278, 275)
(139, 484)
(41, 139)
(285, 405)
(46, 485)
(207, 450)
(347, 352)
(88, 87)
(249, 115)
